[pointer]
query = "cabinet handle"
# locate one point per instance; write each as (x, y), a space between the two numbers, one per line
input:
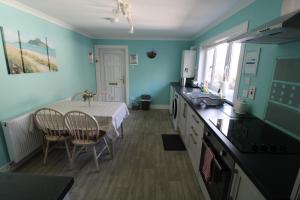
(193, 129)
(197, 121)
(194, 141)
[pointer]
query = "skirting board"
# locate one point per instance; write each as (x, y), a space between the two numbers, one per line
(159, 106)
(155, 106)
(5, 168)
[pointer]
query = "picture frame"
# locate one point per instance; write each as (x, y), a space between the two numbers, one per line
(27, 52)
(133, 59)
(12, 51)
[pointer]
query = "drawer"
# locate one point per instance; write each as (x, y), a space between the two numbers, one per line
(194, 150)
(196, 126)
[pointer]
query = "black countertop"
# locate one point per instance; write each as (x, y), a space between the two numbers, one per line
(16, 186)
(273, 174)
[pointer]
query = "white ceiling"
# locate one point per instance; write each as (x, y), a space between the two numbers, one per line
(155, 19)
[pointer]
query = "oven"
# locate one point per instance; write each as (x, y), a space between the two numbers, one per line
(222, 168)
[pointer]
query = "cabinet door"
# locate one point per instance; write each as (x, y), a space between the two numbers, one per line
(195, 130)
(188, 139)
(182, 116)
(243, 188)
(180, 111)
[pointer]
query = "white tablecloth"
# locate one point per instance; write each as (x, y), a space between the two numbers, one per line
(104, 112)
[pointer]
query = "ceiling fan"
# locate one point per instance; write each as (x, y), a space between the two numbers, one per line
(123, 9)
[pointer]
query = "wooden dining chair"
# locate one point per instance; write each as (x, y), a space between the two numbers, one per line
(85, 133)
(51, 123)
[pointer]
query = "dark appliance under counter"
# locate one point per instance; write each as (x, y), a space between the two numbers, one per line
(222, 168)
(264, 153)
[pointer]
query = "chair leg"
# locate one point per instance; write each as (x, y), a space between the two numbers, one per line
(73, 156)
(68, 150)
(95, 157)
(108, 148)
(111, 147)
(122, 130)
(46, 152)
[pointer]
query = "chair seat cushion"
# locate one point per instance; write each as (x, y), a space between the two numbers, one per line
(92, 138)
(57, 137)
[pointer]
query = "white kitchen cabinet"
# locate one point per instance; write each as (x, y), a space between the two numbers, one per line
(243, 188)
(194, 134)
(182, 117)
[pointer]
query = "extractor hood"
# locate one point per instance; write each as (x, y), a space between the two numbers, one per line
(281, 30)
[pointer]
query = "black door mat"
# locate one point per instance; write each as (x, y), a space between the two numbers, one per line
(172, 142)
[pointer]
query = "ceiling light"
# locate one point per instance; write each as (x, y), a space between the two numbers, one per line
(123, 8)
(131, 31)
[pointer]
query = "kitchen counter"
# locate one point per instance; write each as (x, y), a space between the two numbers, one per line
(16, 186)
(273, 174)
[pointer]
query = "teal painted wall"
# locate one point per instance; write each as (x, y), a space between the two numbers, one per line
(22, 93)
(258, 13)
(152, 76)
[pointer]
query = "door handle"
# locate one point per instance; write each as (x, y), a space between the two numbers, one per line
(112, 83)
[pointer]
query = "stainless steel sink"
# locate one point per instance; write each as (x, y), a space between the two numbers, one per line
(198, 98)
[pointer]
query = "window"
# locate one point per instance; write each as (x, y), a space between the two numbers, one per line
(221, 68)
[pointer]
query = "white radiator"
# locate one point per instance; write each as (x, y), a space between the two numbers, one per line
(20, 137)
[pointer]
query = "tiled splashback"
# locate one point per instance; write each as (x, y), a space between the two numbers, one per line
(284, 100)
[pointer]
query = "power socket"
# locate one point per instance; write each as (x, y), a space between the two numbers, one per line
(252, 91)
(247, 80)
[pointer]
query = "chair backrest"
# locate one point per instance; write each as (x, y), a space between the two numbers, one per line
(82, 126)
(50, 121)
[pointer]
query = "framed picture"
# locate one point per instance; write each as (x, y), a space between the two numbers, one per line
(34, 53)
(12, 51)
(133, 59)
(51, 55)
(27, 52)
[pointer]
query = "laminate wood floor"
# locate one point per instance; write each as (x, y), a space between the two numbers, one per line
(140, 169)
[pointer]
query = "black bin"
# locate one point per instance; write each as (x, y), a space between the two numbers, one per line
(145, 101)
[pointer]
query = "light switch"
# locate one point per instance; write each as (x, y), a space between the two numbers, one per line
(251, 93)
(245, 93)
(247, 80)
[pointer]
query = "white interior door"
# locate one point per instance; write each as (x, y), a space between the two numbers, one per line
(112, 75)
